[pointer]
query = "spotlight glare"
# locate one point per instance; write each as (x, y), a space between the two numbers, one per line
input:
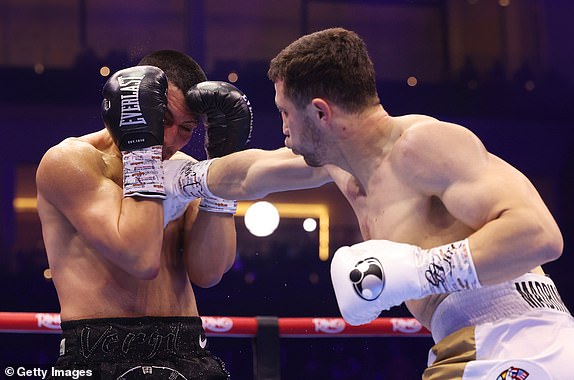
(261, 218)
(105, 71)
(309, 224)
(233, 77)
(39, 68)
(412, 81)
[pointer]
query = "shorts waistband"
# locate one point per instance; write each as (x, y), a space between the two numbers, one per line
(491, 303)
(105, 339)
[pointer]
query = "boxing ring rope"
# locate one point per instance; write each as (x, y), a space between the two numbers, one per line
(265, 331)
(19, 322)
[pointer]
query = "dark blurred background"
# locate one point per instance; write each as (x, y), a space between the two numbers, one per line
(502, 68)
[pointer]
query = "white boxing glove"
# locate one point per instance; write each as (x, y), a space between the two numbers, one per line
(375, 275)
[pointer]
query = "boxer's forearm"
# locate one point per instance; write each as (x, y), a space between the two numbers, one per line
(254, 173)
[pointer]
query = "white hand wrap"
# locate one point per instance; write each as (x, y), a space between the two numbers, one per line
(377, 274)
(218, 205)
(447, 268)
(187, 180)
(143, 173)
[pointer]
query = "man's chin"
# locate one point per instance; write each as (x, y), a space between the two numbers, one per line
(312, 162)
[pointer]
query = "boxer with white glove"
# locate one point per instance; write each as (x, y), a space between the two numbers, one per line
(133, 107)
(375, 275)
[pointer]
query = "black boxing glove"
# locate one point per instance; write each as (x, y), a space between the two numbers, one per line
(133, 107)
(229, 116)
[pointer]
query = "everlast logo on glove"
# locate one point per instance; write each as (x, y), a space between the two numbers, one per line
(133, 108)
(130, 107)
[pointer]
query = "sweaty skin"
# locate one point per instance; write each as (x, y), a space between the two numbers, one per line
(106, 252)
(109, 255)
(89, 284)
(417, 180)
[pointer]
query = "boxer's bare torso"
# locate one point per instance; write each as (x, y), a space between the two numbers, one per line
(88, 284)
(393, 204)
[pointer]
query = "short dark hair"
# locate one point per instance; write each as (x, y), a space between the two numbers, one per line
(333, 64)
(180, 69)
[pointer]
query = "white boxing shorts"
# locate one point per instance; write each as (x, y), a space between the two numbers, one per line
(517, 330)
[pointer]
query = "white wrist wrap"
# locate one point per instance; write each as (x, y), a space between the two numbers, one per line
(220, 205)
(447, 268)
(187, 178)
(143, 172)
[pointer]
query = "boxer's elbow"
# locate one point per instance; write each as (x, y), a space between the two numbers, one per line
(145, 268)
(147, 273)
(549, 242)
(553, 246)
(208, 277)
(207, 280)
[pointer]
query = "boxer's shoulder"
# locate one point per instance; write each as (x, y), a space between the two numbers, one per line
(76, 158)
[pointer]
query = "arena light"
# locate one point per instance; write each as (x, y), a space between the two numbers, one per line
(25, 204)
(309, 224)
(286, 210)
(233, 77)
(39, 68)
(261, 218)
(412, 81)
(302, 210)
(105, 71)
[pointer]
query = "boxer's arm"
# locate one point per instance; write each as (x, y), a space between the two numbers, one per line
(209, 245)
(255, 173)
(249, 174)
(514, 230)
(125, 230)
(209, 238)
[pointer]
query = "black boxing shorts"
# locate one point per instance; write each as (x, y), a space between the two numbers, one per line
(149, 348)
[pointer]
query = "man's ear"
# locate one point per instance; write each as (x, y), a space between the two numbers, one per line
(322, 109)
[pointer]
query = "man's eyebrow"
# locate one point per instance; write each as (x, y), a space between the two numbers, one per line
(192, 119)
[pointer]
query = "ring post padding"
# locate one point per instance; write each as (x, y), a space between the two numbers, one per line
(266, 347)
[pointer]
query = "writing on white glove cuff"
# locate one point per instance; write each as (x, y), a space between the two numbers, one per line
(447, 268)
(143, 172)
(192, 179)
(187, 179)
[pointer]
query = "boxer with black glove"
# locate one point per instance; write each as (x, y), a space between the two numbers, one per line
(229, 116)
(228, 129)
(116, 269)
(133, 108)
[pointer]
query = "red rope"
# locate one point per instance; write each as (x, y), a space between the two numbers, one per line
(242, 326)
